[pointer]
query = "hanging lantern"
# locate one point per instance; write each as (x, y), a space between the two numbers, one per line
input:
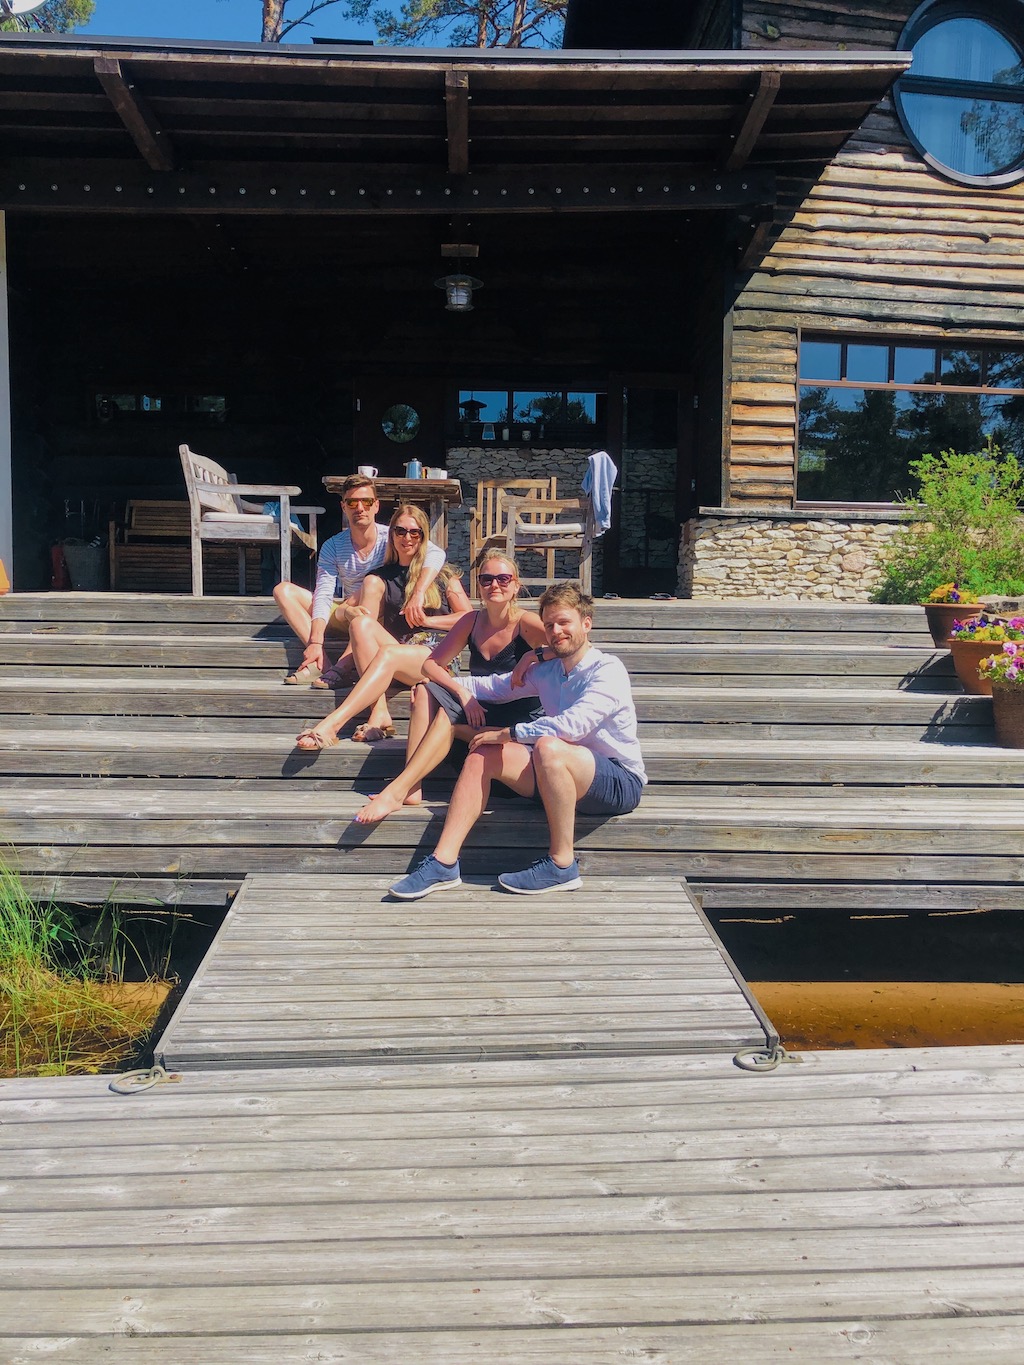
(459, 292)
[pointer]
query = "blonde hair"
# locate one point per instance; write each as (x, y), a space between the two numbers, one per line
(432, 596)
(515, 609)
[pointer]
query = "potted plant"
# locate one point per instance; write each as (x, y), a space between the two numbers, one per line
(1005, 671)
(945, 607)
(972, 640)
(963, 536)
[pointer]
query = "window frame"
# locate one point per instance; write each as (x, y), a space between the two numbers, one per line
(1006, 17)
(891, 342)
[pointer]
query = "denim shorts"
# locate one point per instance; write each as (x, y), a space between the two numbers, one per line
(614, 790)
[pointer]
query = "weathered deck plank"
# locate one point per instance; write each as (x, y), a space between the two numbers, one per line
(331, 933)
(860, 1205)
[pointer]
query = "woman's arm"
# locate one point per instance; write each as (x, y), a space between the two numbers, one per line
(435, 666)
(531, 627)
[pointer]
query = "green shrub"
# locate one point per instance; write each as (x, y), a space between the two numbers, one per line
(964, 526)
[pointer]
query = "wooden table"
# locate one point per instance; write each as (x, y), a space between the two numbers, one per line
(434, 495)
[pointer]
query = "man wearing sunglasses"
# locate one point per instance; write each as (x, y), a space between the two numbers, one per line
(581, 755)
(343, 563)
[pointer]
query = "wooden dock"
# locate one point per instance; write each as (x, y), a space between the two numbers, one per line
(853, 1207)
(316, 969)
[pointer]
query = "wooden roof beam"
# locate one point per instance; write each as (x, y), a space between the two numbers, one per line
(456, 107)
(134, 112)
(756, 116)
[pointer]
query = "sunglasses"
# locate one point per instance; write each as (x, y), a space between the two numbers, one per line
(502, 579)
(407, 531)
(360, 502)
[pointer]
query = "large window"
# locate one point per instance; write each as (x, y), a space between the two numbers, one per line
(531, 416)
(868, 408)
(962, 101)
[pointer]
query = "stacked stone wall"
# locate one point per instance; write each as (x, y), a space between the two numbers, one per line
(785, 555)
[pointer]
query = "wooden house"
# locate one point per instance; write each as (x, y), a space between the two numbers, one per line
(690, 225)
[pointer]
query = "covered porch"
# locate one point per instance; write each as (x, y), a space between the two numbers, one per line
(237, 248)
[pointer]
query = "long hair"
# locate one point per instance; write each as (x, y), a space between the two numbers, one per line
(432, 597)
(515, 609)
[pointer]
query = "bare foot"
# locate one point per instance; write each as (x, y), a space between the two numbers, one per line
(415, 797)
(378, 808)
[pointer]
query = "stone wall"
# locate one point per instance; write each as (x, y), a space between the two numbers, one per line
(728, 552)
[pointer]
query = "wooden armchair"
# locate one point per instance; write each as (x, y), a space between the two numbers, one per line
(548, 525)
(219, 513)
(488, 524)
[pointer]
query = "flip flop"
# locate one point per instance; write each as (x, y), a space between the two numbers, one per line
(319, 741)
(371, 734)
(303, 676)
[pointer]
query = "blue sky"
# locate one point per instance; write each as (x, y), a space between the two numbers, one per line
(231, 20)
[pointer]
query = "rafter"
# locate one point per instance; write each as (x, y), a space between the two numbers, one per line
(756, 116)
(456, 104)
(134, 112)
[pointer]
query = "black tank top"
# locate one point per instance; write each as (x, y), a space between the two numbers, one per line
(503, 662)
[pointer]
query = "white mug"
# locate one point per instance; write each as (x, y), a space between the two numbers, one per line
(370, 470)
(437, 473)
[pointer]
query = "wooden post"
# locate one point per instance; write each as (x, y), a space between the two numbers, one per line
(6, 456)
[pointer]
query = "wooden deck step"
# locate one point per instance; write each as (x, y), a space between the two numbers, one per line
(108, 611)
(74, 827)
(313, 969)
(709, 755)
(642, 658)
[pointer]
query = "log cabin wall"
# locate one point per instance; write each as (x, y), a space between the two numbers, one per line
(880, 245)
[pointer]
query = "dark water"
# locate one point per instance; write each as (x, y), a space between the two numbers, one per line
(823, 945)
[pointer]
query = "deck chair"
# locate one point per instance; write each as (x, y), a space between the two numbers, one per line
(220, 514)
(548, 525)
(488, 523)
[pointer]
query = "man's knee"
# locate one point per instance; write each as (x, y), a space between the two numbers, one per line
(550, 749)
(290, 594)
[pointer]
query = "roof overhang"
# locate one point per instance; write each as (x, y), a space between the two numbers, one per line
(138, 125)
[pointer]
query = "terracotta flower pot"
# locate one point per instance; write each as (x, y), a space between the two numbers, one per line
(967, 655)
(1008, 713)
(941, 615)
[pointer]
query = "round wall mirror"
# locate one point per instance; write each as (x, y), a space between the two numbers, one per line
(400, 423)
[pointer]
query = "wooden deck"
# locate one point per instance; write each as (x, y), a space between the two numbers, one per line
(146, 750)
(329, 969)
(856, 1206)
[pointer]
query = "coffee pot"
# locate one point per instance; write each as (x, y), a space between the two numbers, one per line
(414, 470)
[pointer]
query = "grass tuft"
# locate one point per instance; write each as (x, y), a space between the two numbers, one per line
(54, 1020)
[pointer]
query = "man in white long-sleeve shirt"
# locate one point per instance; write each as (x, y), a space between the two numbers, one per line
(343, 563)
(582, 755)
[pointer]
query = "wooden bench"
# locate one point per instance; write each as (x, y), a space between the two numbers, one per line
(150, 552)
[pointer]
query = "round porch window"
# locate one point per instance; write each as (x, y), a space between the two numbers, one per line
(962, 101)
(400, 423)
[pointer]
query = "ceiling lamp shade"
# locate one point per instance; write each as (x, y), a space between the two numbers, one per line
(459, 292)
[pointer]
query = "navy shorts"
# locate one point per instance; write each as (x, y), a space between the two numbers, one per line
(614, 790)
(499, 714)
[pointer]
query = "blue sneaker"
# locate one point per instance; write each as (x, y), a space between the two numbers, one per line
(544, 875)
(427, 876)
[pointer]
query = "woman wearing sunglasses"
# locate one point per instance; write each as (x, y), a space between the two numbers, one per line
(389, 649)
(444, 714)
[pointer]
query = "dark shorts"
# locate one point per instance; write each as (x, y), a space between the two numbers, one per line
(614, 790)
(499, 714)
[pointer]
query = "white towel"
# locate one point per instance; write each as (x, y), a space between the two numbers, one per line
(597, 484)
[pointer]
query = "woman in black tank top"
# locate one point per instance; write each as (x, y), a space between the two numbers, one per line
(444, 712)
